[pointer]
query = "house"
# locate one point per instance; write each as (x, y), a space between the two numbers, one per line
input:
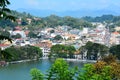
(115, 38)
(18, 30)
(4, 46)
(45, 46)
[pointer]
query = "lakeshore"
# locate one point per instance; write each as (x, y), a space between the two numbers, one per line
(21, 70)
(28, 60)
(68, 59)
(80, 60)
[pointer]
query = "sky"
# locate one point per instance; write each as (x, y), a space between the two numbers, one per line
(64, 5)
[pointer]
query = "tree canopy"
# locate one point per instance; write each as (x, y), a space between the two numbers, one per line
(62, 51)
(115, 50)
(4, 11)
(20, 53)
(94, 50)
(101, 70)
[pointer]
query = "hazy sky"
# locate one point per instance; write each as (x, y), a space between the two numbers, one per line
(63, 5)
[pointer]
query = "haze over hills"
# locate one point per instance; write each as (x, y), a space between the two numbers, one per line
(77, 13)
(75, 8)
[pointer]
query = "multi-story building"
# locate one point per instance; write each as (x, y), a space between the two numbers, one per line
(45, 47)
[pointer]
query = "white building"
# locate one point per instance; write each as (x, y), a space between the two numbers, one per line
(22, 33)
(85, 31)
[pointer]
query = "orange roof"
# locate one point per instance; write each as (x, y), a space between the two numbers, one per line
(3, 45)
(44, 44)
(116, 33)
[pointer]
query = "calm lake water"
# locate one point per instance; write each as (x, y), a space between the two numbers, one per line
(21, 71)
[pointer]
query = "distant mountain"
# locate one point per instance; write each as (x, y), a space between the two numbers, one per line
(77, 13)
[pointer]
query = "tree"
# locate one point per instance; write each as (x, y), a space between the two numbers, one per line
(115, 50)
(20, 53)
(58, 37)
(70, 50)
(101, 70)
(62, 51)
(17, 36)
(60, 71)
(36, 74)
(32, 52)
(5, 33)
(5, 14)
(90, 73)
(52, 31)
(58, 51)
(109, 59)
(4, 11)
(32, 35)
(95, 50)
(13, 52)
(4, 37)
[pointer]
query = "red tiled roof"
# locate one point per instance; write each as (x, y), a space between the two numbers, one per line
(44, 44)
(3, 45)
(116, 33)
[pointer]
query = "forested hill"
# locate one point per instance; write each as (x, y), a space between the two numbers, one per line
(25, 19)
(104, 18)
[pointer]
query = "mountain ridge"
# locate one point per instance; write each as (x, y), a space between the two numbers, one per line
(77, 13)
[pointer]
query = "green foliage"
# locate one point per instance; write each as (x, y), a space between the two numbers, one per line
(21, 53)
(109, 59)
(60, 71)
(90, 73)
(62, 51)
(95, 49)
(36, 74)
(58, 37)
(98, 71)
(103, 18)
(5, 56)
(50, 21)
(4, 11)
(7, 23)
(5, 37)
(5, 33)
(17, 36)
(52, 31)
(32, 35)
(115, 50)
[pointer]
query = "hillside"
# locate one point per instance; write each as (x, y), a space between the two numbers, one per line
(26, 19)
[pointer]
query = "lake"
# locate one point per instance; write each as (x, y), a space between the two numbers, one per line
(21, 71)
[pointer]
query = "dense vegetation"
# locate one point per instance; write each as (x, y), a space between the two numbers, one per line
(62, 51)
(101, 70)
(90, 51)
(115, 50)
(54, 21)
(94, 50)
(50, 21)
(20, 53)
(111, 20)
(5, 14)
